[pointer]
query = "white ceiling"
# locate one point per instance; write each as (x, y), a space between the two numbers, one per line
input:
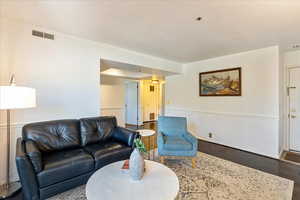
(168, 28)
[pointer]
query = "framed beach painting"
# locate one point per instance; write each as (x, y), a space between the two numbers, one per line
(226, 82)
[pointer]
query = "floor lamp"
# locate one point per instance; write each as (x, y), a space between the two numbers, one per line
(13, 97)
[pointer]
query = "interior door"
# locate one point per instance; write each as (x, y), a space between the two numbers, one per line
(294, 108)
(151, 100)
(132, 103)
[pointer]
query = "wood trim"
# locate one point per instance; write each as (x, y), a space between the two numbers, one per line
(150, 121)
(194, 162)
(133, 125)
(222, 70)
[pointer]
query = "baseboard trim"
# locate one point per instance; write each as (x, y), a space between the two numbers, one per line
(202, 140)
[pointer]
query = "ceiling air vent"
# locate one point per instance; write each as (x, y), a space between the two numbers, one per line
(43, 35)
(37, 33)
(49, 36)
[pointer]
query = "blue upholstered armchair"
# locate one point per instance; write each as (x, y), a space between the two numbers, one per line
(173, 139)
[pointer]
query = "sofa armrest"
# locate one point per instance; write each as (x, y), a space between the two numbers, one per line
(125, 135)
(160, 139)
(192, 139)
(26, 173)
(34, 155)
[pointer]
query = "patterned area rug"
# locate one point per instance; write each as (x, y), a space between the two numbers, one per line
(216, 179)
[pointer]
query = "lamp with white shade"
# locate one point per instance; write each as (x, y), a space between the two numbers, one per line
(13, 97)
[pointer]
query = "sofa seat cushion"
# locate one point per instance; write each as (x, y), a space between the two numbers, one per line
(63, 165)
(174, 143)
(109, 152)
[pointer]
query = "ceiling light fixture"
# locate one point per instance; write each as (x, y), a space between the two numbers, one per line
(124, 73)
(154, 81)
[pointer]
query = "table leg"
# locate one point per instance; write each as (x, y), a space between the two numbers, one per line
(162, 159)
(152, 147)
(149, 145)
(193, 162)
(154, 142)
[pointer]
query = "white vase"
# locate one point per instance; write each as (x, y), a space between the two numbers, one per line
(136, 165)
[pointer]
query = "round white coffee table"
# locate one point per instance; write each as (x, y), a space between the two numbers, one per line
(111, 183)
(147, 133)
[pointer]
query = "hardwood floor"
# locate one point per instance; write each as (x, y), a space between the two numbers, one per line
(269, 165)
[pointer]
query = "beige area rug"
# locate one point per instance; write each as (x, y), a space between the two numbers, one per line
(216, 179)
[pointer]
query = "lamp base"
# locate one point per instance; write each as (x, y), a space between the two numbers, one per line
(9, 189)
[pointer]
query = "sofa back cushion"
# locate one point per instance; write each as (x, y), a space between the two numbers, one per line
(172, 126)
(53, 135)
(97, 129)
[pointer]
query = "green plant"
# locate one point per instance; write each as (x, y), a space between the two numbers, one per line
(138, 143)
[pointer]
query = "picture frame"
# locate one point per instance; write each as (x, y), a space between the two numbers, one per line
(225, 82)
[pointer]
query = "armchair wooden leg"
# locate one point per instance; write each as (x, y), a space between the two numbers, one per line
(193, 162)
(162, 159)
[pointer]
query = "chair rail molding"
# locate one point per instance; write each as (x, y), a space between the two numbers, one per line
(238, 114)
(112, 108)
(257, 133)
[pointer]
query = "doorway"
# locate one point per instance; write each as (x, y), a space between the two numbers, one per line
(143, 102)
(152, 99)
(132, 93)
(294, 108)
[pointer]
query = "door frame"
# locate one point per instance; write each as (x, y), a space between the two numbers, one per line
(287, 109)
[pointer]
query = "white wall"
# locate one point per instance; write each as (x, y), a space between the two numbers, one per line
(113, 98)
(292, 59)
(65, 72)
(250, 122)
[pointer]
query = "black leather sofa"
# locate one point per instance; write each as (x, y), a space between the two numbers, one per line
(55, 156)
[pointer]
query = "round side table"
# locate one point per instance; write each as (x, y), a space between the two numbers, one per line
(147, 133)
